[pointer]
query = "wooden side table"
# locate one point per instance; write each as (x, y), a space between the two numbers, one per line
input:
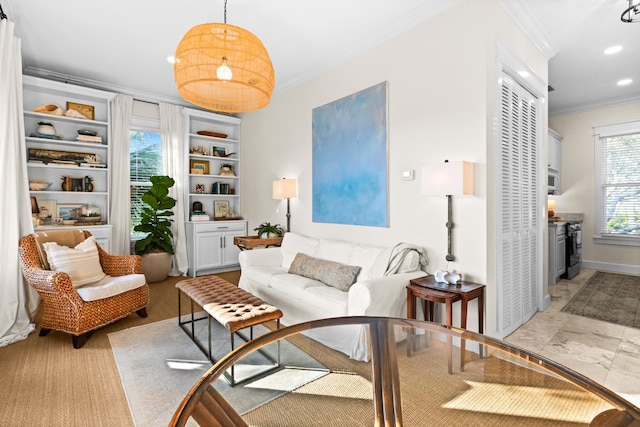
(426, 288)
(246, 243)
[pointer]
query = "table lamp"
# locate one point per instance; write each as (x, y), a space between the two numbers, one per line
(449, 179)
(285, 188)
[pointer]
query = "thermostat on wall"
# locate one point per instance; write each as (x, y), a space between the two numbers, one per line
(407, 175)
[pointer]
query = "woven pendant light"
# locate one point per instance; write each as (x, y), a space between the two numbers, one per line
(223, 68)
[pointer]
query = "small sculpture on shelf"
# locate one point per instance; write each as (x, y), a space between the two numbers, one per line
(226, 169)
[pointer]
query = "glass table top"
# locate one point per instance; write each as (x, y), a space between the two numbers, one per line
(405, 382)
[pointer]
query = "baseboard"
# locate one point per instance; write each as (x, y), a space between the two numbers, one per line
(615, 268)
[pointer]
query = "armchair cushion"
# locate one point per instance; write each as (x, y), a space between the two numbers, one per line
(110, 286)
(81, 263)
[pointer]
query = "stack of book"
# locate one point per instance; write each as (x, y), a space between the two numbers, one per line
(89, 138)
(221, 188)
(196, 216)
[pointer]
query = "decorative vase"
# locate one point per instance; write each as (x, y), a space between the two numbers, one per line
(156, 266)
(46, 129)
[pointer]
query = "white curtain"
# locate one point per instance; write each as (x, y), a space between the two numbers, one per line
(18, 301)
(173, 152)
(120, 203)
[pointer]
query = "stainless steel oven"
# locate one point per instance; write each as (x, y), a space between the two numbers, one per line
(574, 249)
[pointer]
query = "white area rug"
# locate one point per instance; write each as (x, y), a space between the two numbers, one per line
(159, 364)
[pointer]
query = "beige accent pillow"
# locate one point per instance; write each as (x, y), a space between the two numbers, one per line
(328, 272)
(69, 238)
(81, 263)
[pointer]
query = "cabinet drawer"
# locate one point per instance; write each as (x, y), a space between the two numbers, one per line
(220, 226)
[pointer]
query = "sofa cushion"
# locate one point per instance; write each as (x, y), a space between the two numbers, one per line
(81, 263)
(331, 301)
(293, 285)
(331, 273)
(366, 257)
(110, 286)
(293, 244)
(335, 250)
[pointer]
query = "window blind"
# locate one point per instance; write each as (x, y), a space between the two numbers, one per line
(619, 179)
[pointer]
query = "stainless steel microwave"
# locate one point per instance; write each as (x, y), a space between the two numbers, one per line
(553, 182)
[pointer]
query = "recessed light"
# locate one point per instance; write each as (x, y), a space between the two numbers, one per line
(613, 49)
(171, 59)
(624, 82)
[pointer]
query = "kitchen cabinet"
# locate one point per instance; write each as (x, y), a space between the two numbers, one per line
(210, 247)
(557, 250)
(555, 151)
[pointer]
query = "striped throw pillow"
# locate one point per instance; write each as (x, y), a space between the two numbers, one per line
(81, 263)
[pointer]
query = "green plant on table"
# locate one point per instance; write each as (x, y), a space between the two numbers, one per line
(267, 228)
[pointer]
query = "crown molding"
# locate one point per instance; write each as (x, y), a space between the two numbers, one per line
(518, 11)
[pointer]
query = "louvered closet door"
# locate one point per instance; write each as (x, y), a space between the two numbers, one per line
(518, 199)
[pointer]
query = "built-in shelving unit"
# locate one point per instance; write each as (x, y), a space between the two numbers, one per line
(213, 141)
(52, 158)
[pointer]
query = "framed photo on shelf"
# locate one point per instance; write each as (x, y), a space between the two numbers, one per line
(202, 165)
(221, 208)
(218, 151)
(65, 210)
(199, 188)
(85, 110)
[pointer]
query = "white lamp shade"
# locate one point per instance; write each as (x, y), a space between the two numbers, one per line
(448, 178)
(285, 188)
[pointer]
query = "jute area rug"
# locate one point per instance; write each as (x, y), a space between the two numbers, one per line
(610, 297)
(158, 365)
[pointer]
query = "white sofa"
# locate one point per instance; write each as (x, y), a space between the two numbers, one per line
(379, 288)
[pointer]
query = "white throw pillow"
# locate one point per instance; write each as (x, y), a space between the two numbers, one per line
(81, 263)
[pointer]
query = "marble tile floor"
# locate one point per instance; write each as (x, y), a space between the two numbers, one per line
(607, 353)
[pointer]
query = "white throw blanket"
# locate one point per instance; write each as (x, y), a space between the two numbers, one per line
(400, 252)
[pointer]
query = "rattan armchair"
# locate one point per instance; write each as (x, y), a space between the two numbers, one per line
(63, 308)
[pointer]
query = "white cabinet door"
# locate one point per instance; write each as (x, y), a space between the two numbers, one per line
(555, 151)
(519, 232)
(209, 251)
(561, 253)
(210, 245)
(230, 251)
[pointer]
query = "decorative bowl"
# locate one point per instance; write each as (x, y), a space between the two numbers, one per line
(38, 185)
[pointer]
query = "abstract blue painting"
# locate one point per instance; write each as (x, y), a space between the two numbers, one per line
(349, 159)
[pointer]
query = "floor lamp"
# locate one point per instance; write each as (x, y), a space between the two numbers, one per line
(448, 179)
(285, 188)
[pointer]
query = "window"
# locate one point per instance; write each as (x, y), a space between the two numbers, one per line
(618, 183)
(145, 156)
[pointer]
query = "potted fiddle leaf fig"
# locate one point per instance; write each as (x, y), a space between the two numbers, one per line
(267, 231)
(156, 247)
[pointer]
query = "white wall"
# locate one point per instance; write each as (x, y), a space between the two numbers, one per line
(442, 105)
(578, 182)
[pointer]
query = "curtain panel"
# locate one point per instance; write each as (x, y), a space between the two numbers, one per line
(173, 152)
(18, 302)
(120, 202)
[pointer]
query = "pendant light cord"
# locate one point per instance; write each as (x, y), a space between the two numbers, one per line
(225, 11)
(4, 16)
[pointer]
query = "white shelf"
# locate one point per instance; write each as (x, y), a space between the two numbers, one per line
(38, 92)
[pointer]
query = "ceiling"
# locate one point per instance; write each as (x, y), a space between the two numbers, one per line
(122, 45)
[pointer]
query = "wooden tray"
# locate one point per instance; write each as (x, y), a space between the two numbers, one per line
(211, 133)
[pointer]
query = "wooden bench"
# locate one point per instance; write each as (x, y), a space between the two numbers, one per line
(231, 307)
